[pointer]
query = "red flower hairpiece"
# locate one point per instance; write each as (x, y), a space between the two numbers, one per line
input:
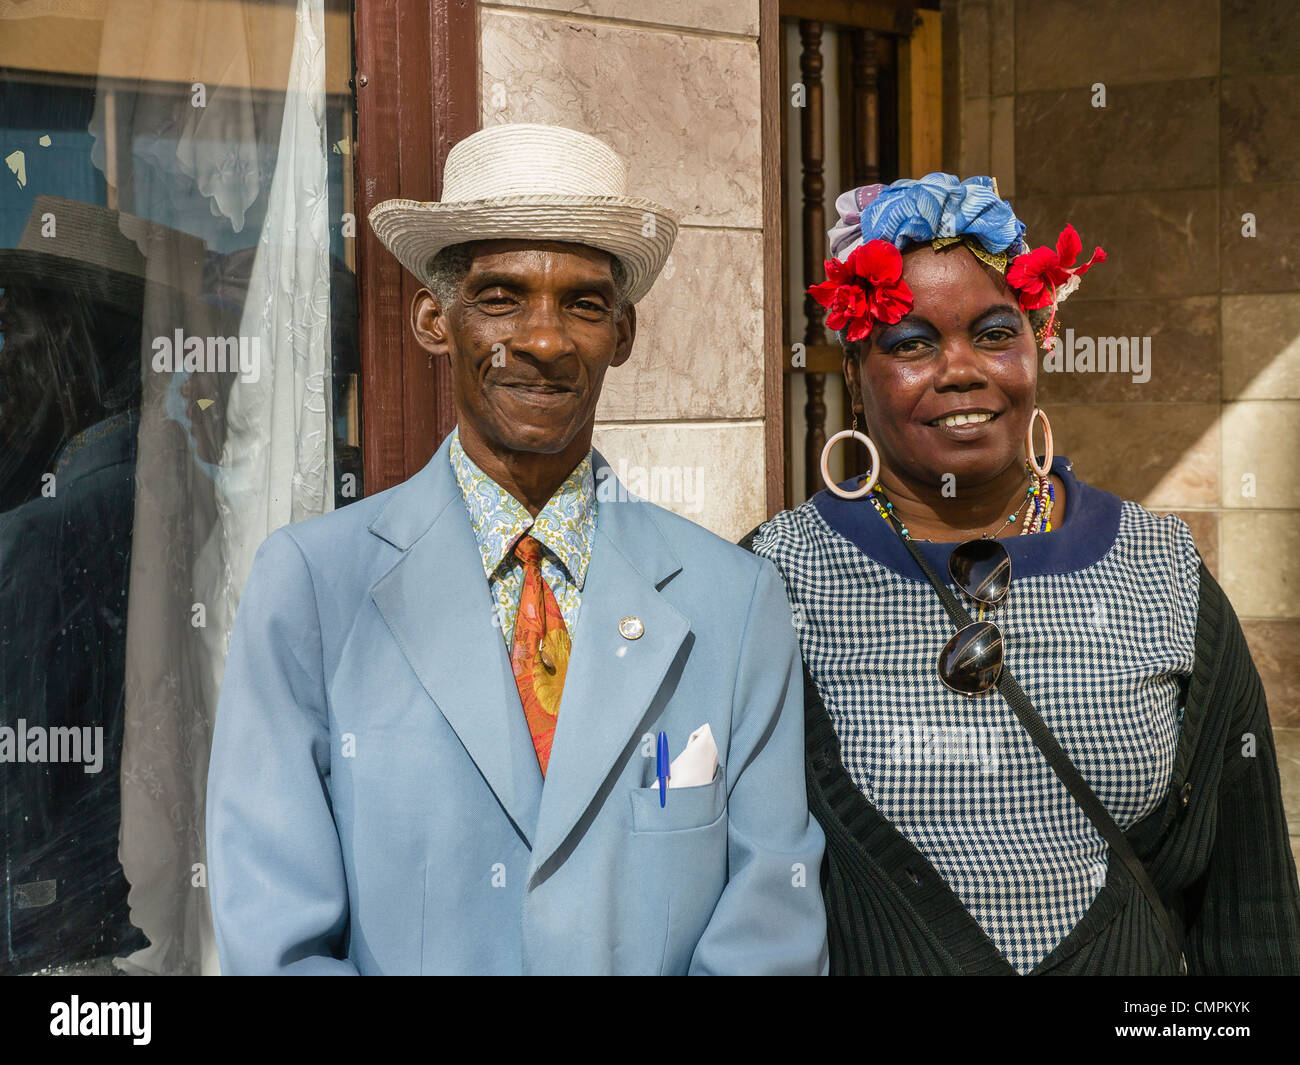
(1045, 276)
(865, 289)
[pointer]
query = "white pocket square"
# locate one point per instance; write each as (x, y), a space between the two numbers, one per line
(698, 763)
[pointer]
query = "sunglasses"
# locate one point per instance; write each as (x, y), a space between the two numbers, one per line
(971, 661)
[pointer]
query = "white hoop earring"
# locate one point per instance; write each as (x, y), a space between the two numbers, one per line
(1049, 454)
(869, 483)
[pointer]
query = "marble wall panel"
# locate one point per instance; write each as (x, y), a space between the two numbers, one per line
(1068, 43)
(1182, 336)
(1261, 443)
(1259, 562)
(683, 110)
(718, 16)
(1162, 455)
(1261, 346)
(1151, 136)
(698, 351)
(1158, 245)
(722, 463)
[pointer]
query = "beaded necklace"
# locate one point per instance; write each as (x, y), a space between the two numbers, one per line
(1039, 496)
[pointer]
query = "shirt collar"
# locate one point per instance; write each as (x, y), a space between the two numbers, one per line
(565, 526)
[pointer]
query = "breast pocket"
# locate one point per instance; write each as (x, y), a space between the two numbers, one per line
(686, 808)
(678, 857)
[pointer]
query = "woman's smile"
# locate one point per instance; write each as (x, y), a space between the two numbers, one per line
(964, 425)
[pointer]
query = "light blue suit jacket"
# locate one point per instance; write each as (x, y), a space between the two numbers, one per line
(374, 802)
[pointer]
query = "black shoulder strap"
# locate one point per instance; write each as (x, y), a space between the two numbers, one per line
(1057, 758)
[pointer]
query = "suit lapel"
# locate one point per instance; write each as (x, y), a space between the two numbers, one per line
(611, 681)
(437, 604)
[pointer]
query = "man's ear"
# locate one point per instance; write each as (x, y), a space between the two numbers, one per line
(429, 323)
(626, 327)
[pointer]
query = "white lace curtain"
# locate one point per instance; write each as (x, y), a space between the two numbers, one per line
(209, 490)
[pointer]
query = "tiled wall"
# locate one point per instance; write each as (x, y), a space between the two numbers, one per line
(1200, 128)
(673, 86)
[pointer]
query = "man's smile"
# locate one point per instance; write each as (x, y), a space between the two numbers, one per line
(536, 392)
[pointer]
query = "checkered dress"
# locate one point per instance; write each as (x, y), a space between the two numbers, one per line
(1098, 628)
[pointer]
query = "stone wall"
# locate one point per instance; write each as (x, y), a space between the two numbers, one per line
(1198, 142)
(673, 86)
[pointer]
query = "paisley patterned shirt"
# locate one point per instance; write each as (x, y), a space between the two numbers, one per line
(565, 527)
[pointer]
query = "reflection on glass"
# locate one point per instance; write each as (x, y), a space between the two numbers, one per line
(178, 377)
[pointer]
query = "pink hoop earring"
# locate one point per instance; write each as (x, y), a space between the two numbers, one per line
(870, 482)
(1046, 466)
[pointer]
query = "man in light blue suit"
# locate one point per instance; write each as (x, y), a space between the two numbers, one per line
(436, 745)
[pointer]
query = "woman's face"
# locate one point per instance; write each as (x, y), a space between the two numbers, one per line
(966, 348)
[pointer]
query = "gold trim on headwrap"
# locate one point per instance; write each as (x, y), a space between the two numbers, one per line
(997, 261)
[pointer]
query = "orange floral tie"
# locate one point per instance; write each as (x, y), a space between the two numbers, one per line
(540, 653)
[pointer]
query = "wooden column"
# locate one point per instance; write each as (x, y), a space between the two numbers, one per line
(864, 96)
(417, 95)
(813, 154)
(860, 152)
(772, 92)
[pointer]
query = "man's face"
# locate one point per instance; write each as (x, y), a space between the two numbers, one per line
(529, 335)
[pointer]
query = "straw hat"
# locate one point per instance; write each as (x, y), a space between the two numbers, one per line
(532, 182)
(92, 251)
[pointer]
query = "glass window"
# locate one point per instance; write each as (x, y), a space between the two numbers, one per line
(178, 377)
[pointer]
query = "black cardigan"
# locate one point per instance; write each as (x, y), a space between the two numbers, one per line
(1216, 849)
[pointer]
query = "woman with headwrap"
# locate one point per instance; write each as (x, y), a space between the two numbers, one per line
(1036, 740)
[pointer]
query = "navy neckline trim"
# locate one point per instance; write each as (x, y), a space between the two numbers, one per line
(1091, 525)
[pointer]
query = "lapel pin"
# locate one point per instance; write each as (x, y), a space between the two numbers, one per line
(630, 628)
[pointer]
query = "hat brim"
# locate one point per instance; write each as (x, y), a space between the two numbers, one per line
(639, 232)
(58, 273)
(19, 266)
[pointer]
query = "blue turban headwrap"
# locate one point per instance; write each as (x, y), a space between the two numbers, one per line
(936, 207)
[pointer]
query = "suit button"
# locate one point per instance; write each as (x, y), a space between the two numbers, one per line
(1187, 793)
(631, 628)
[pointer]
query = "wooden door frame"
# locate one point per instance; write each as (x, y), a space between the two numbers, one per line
(772, 98)
(913, 117)
(416, 88)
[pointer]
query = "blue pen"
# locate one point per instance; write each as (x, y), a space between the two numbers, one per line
(661, 768)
